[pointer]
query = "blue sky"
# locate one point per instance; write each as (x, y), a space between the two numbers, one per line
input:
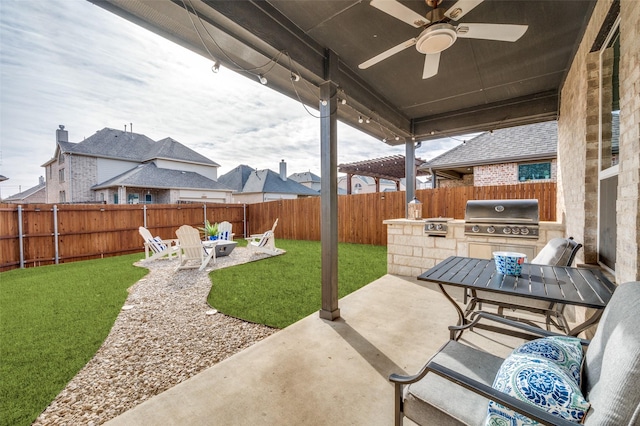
(73, 63)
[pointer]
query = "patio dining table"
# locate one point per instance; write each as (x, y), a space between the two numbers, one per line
(555, 284)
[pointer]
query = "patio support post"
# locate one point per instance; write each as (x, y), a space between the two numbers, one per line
(329, 188)
(409, 174)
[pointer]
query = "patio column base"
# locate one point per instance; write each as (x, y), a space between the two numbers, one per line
(330, 315)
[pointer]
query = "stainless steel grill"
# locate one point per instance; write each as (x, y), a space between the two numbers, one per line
(502, 218)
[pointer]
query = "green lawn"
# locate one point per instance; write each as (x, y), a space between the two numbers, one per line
(281, 290)
(53, 319)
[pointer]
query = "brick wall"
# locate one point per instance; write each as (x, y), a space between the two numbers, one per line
(467, 180)
(85, 175)
(505, 174)
(628, 205)
(578, 130)
(54, 186)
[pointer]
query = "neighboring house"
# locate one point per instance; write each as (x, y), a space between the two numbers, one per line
(34, 195)
(256, 186)
(502, 157)
(120, 167)
(367, 184)
(307, 179)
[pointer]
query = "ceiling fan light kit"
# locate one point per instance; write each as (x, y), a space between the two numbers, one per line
(436, 38)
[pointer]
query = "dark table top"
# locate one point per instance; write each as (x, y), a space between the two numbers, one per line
(571, 286)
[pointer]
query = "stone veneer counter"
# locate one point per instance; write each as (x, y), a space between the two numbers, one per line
(410, 251)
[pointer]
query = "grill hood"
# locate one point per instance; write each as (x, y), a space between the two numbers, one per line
(502, 212)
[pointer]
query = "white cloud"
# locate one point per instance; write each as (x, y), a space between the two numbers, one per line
(71, 62)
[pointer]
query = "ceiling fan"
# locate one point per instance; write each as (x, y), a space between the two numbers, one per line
(438, 33)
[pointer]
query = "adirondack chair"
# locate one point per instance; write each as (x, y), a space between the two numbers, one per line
(159, 247)
(256, 237)
(266, 244)
(224, 231)
(193, 253)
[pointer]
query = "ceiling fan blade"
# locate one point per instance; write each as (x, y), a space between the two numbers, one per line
(387, 53)
(461, 8)
(431, 64)
(401, 12)
(500, 32)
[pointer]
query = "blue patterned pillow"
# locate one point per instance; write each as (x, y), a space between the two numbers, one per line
(535, 378)
(564, 351)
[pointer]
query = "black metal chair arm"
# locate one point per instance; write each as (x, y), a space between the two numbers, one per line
(516, 324)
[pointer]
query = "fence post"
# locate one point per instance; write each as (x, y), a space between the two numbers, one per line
(204, 207)
(55, 233)
(20, 236)
(244, 219)
(144, 212)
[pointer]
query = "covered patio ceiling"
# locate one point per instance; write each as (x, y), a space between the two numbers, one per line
(481, 84)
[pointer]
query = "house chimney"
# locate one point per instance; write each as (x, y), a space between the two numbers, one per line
(41, 180)
(283, 170)
(61, 134)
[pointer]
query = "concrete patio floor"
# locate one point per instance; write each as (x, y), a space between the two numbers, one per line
(317, 372)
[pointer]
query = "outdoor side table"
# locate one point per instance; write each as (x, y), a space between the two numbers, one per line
(555, 284)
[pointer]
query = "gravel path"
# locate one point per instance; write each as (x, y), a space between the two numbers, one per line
(165, 334)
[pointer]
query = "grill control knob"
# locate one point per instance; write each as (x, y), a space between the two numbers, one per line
(491, 230)
(430, 227)
(515, 231)
(506, 230)
(475, 228)
(524, 231)
(439, 227)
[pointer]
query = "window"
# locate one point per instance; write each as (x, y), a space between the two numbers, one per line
(609, 133)
(147, 199)
(357, 188)
(61, 175)
(133, 199)
(534, 171)
(115, 198)
(63, 197)
(61, 158)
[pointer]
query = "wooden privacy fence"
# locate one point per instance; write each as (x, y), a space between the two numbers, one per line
(44, 234)
(360, 216)
(47, 234)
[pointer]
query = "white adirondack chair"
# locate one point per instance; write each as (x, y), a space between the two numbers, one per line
(224, 231)
(256, 237)
(155, 247)
(265, 244)
(192, 252)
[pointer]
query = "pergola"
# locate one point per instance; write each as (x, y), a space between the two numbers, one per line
(314, 51)
(392, 168)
